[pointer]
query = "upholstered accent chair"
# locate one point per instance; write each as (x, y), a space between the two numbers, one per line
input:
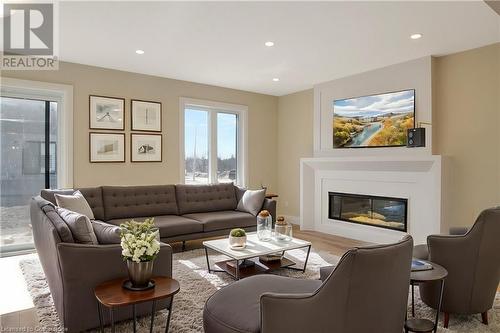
(366, 292)
(472, 259)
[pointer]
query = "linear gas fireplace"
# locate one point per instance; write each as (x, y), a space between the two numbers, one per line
(383, 212)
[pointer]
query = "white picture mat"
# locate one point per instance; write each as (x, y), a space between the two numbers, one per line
(100, 106)
(107, 147)
(140, 143)
(146, 116)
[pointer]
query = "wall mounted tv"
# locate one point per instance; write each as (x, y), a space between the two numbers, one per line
(373, 121)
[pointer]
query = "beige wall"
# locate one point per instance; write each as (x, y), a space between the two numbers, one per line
(295, 140)
(86, 80)
(466, 122)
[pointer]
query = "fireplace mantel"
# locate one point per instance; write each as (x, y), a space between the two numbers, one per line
(416, 178)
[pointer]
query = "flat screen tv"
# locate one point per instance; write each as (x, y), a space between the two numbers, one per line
(373, 121)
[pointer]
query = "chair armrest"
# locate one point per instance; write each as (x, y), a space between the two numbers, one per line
(324, 272)
(299, 309)
(270, 206)
(421, 252)
(457, 231)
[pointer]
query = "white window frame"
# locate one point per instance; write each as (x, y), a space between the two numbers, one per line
(242, 140)
(63, 95)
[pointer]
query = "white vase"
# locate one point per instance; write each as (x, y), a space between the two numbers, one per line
(238, 242)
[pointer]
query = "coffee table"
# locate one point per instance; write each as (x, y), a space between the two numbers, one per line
(237, 266)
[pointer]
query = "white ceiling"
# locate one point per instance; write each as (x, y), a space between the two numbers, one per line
(222, 43)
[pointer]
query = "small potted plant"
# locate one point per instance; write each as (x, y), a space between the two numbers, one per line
(237, 239)
(140, 246)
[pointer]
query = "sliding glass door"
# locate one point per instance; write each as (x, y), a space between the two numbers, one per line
(28, 129)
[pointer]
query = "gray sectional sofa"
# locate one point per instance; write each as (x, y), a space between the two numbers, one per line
(181, 212)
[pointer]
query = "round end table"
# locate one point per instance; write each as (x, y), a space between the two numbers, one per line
(111, 294)
(437, 273)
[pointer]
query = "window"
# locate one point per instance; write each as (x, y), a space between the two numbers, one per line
(35, 151)
(213, 142)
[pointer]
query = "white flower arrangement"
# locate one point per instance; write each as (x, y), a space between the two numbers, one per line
(139, 240)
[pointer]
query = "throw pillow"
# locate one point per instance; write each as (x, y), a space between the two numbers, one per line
(251, 201)
(75, 202)
(62, 228)
(80, 226)
(106, 233)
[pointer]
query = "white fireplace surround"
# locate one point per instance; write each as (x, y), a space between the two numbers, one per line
(416, 178)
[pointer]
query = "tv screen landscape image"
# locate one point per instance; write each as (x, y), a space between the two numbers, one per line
(373, 121)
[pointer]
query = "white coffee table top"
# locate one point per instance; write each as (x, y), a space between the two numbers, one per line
(255, 247)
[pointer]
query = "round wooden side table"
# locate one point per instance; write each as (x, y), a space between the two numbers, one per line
(111, 294)
(437, 273)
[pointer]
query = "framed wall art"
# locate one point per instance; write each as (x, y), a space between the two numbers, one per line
(146, 116)
(107, 147)
(146, 147)
(107, 113)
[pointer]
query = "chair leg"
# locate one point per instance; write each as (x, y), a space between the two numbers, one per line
(484, 316)
(446, 319)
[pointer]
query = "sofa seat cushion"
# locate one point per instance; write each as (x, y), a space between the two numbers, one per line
(236, 308)
(226, 219)
(169, 225)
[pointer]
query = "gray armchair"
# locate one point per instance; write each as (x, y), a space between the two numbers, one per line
(366, 292)
(473, 262)
(73, 270)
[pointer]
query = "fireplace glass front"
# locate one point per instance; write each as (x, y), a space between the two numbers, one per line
(384, 212)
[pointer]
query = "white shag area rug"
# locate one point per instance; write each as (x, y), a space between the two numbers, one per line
(197, 285)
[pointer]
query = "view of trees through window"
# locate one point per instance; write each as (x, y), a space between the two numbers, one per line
(199, 151)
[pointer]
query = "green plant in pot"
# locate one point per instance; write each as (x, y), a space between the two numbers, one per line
(237, 239)
(140, 246)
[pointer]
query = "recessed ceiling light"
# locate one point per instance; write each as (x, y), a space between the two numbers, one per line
(416, 36)
(139, 51)
(269, 44)
(276, 79)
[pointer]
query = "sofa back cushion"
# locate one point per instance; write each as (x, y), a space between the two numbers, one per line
(93, 195)
(205, 198)
(138, 201)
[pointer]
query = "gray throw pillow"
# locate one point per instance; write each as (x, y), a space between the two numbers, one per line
(251, 201)
(106, 233)
(80, 226)
(62, 228)
(75, 202)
